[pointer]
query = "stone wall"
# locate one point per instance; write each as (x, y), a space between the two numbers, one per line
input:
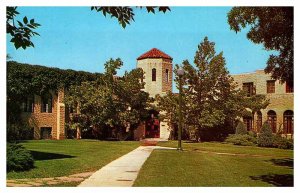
(280, 100)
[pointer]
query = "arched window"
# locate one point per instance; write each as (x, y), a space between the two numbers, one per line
(248, 122)
(167, 75)
(153, 74)
(288, 120)
(258, 121)
(272, 120)
(46, 103)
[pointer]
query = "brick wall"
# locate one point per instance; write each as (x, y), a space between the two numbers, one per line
(55, 119)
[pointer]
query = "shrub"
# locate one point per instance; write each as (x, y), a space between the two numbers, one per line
(244, 140)
(18, 158)
(282, 143)
(19, 131)
(265, 138)
(241, 129)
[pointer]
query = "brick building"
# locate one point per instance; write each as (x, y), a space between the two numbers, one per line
(280, 112)
(46, 115)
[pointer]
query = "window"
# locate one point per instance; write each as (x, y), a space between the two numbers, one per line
(153, 74)
(46, 103)
(167, 75)
(289, 87)
(248, 122)
(249, 88)
(28, 104)
(288, 119)
(271, 86)
(272, 120)
(46, 132)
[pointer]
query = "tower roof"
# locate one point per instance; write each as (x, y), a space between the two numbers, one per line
(154, 53)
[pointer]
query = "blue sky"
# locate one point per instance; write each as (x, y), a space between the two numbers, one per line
(77, 38)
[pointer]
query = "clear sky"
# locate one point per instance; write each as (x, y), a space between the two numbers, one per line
(80, 39)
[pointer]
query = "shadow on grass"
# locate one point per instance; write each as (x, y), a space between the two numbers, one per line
(281, 180)
(38, 155)
(288, 162)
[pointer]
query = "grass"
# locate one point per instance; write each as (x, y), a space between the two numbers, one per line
(65, 157)
(274, 167)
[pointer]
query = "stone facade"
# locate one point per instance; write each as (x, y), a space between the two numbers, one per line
(158, 75)
(49, 124)
(279, 113)
(163, 69)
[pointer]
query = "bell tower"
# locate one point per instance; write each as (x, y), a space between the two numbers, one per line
(157, 67)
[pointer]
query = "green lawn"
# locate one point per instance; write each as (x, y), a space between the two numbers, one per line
(193, 168)
(65, 157)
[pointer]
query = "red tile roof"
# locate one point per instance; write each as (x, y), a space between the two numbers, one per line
(154, 53)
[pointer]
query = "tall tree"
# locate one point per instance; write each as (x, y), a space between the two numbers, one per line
(211, 99)
(274, 28)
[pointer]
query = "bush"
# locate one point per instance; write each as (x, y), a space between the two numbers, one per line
(18, 158)
(265, 138)
(241, 129)
(282, 143)
(244, 140)
(19, 131)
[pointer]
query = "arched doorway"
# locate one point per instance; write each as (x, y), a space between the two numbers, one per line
(288, 120)
(258, 121)
(272, 120)
(152, 129)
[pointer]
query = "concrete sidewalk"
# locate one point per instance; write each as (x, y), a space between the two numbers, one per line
(122, 171)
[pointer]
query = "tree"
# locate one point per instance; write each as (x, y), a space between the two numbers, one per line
(241, 129)
(274, 28)
(211, 100)
(22, 31)
(265, 138)
(125, 14)
(110, 104)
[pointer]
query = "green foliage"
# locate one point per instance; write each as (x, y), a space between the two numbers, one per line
(24, 80)
(282, 143)
(240, 139)
(21, 32)
(211, 99)
(18, 158)
(241, 129)
(274, 28)
(19, 131)
(125, 14)
(265, 137)
(111, 103)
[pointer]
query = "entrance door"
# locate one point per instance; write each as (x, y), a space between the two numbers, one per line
(152, 128)
(46, 132)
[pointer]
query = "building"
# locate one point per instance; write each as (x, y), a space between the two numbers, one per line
(47, 114)
(158, 70)
(280, 112)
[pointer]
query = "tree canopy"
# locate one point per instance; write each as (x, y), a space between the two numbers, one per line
(274, 28)
(110, 104)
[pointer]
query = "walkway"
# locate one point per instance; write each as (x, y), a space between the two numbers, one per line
(33, 182)
(123, 171)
